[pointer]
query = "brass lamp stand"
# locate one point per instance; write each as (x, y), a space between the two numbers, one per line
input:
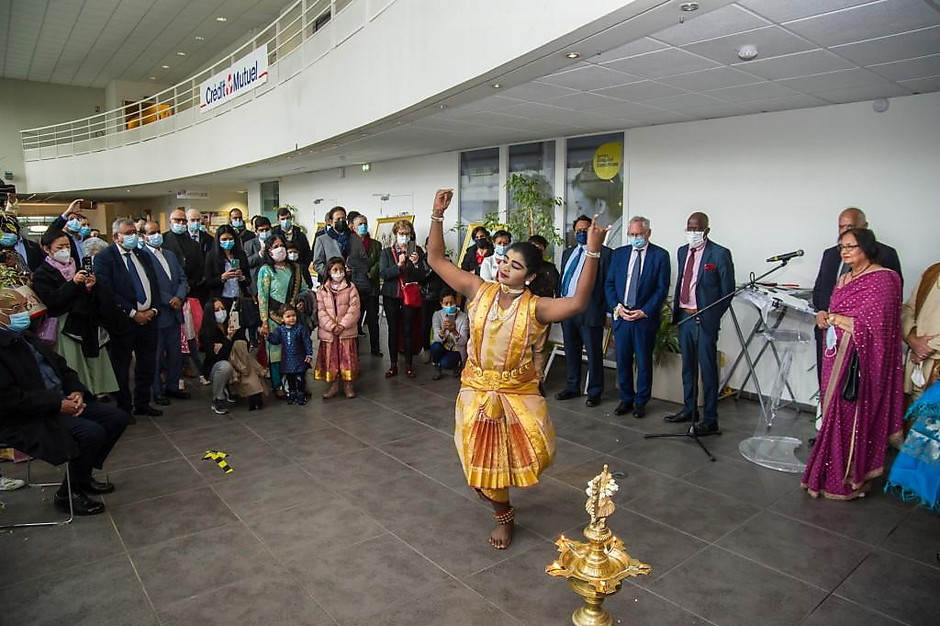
(595, 569)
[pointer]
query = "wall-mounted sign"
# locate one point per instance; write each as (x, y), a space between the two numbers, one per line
(192, 194)
(246, 74)
(607, 159)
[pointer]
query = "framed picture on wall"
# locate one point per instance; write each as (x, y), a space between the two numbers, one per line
(383, 228)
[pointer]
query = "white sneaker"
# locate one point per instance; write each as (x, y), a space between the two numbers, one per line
(204, 381)
(182, 385)
(11, 484)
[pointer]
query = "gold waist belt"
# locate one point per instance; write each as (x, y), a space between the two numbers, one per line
(500, 380)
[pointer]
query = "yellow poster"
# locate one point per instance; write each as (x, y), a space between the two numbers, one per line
(607, 160)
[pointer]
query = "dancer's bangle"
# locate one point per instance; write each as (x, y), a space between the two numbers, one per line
(592, 255)
(437, 218)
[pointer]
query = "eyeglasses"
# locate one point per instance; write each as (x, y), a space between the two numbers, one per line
(847, 247)
(17, 308)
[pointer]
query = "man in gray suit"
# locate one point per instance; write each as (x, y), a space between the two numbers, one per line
(171, 289)
(339, 241)
(255, 246)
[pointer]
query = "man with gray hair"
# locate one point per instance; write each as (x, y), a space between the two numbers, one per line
(636, 287)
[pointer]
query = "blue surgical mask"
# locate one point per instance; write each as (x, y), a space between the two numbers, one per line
(202, 228)
(362, 229)
(155, 240)
(501, 250)
(84, 231)
(449, 310)
(581, 237)
(8, 240)
(141, 243)
(831, 338)
(264, 235)
(74, 225)
(178, 229)
(193, 227)
(129, 242)
(228, 244)
(637, 242)
(238, 224)
(285, 224)
(18, 321)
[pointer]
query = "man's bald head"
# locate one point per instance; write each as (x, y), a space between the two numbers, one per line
(851, 217)
(178, 214)
(194, 214)
(151, 228)
(698, 221)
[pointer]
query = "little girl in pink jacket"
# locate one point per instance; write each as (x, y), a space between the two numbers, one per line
(337, 314)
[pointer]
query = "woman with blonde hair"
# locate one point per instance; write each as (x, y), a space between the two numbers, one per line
(403, 267)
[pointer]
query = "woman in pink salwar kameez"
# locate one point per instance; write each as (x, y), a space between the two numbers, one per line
(864, 319)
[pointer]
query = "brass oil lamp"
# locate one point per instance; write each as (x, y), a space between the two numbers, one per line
(595, 569)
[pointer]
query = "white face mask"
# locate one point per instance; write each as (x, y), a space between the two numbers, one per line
(293, 256)
(917, 376)
(279, 254)
(62, 255)
(403, 240)
(220, 316)
(695, 237)
(337, 276)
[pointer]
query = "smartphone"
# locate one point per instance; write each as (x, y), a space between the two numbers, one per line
(236, 264)
(87, 265)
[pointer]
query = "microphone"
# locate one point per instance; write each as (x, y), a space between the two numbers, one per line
(785, 257)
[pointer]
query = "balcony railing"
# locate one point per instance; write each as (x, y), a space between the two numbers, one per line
(297, 38)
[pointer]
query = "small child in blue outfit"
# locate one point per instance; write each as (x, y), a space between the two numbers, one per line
(296, 354)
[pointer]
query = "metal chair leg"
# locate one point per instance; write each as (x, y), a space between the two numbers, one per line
(68, 483)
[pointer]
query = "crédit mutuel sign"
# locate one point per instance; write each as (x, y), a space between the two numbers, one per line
(247, 73)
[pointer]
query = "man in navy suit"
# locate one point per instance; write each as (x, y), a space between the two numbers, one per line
(128, 273)
(706, 275)
(584, 332)
(636, 286)
(171, 290)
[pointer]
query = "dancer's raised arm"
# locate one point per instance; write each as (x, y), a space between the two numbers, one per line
(549, 310)
(459, 280)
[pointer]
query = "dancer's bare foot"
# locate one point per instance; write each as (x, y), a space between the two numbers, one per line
(501, 536)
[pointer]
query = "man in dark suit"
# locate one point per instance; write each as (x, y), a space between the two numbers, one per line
(197, 232)
(832, 267)
(171, 294)
(237, 222)
(636, 286)
(706, 275)
(128, 273)
(584, 332)
(188, 252)
(289, 233)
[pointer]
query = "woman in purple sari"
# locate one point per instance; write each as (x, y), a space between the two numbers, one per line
(864, 319)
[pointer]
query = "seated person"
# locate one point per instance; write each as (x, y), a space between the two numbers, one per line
(449, 335)
(44, 411)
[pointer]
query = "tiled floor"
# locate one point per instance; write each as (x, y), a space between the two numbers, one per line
(355, 512)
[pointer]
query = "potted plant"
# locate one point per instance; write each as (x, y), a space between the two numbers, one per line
(534, 213)
(667, 360)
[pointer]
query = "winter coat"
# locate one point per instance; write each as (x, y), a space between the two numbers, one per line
(295, 347)
(340, 306)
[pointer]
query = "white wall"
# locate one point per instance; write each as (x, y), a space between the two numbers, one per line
(26, 104)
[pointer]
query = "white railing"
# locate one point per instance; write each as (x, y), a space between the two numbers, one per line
(293, 41)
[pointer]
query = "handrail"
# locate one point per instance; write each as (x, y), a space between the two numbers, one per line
(177, 107)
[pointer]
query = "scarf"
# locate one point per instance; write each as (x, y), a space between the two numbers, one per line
(342, 240)
(67, 270)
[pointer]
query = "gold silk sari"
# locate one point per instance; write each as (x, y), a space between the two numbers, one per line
(503, 433)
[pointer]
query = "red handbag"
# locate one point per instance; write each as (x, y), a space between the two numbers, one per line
(410, 293)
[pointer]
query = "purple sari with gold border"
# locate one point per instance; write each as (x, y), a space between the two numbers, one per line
(850, 447)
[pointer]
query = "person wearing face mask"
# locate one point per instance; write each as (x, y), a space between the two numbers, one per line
(490, 265)
(288, 232)
(337, 314)
(80, 310)
(71, 222)
(450, 331)
(16, 250)
(171, 295)
(636, 286)
(237, 221)
(584, 333)
(48, 413)
(188, 253)
(196, 230)
(340, 241)
(706, 275)
(228, 363)
(280, 282)
(128, 273)
(481, 248)
(369, 301)
(226, 268)
(402, 266)
(254, 246)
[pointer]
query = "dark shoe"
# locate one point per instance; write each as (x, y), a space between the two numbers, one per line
(701, 429)
(391, 372)
(623, 408)
(458, 372)
(377, 353)
(179, 395)
(161, 400)
(592, 401)
(567, 394)
(438, 373)
(541, 390)
(218, 407)
(410, 373)
(639, 411)
(148, 410)
(81, 504)
(677, 418)
(811, 441)
(96, 486)
(131, 419)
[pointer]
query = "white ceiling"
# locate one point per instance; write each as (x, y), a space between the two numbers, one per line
(89, 43)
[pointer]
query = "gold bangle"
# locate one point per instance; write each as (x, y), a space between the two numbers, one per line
(592, 255)
(437, 218)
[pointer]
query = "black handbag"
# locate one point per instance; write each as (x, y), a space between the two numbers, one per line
(850, 386)
(248, 314)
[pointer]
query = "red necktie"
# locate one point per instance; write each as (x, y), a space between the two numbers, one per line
(687, 277)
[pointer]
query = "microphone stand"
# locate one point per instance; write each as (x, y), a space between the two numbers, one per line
(690, 433)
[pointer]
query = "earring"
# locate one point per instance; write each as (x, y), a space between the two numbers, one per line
(527, 283)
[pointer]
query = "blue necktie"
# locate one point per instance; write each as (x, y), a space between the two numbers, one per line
(634, 281)
(569, 273)
(135, 278)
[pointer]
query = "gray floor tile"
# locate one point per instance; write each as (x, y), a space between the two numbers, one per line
(268, 426)
(259, 600)
(152, 521)
(696, 511)
(636, 482)
(834, 610)
(105, 592)
(434, 455)
(634, 605)
(867, 519)
(374, 574)
(383, 427)
(257, 494)
(145, 427)
(227, 437)
(450, 603)
(916, 537)
(569, 455)
(675, 457)
(728, 589)
(404, 501)
(896, 586)
(303, 447)
(357, 469)
(152, 481)
(196, 413)
(660, 547)
(251, 458)
(193, 564)
(591, 432)
(745, 481)
(806, 552)
(549, 508)
(137, 452)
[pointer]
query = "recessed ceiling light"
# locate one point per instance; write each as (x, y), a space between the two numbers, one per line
(180, 54)
(153, 78)
(221, 19)
(442, 106)
(200, 38)
(573, 55)
(688, 7)
(496, 85)
(166, 67)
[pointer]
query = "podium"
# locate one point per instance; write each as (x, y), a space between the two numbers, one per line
(776, 435)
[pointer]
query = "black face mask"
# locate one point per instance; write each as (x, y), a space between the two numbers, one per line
(339, 225)
(479, 242)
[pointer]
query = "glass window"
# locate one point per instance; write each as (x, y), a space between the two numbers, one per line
(594, 177)
(270, 200)
(479, 186)
(533, 160)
